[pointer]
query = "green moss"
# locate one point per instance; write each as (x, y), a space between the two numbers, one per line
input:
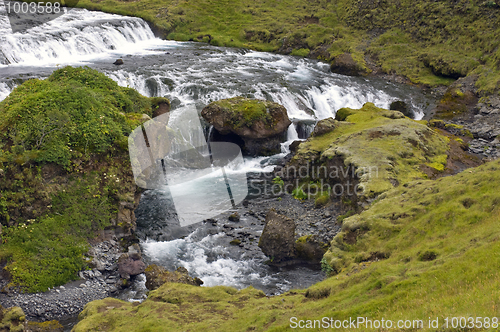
(245, 112)
(73, 113)
(452, 125)
(301, 52)
(322, 199)
(49, 251)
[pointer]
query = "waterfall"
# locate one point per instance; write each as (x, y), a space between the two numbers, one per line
(291, 134)
(85, 35)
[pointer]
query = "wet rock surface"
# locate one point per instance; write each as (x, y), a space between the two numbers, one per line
(485, 128)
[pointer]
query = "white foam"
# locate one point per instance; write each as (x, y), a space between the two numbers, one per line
(206, 259)
(5, 90)
(86, 35)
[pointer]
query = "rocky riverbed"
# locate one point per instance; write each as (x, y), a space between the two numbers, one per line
(68, 300)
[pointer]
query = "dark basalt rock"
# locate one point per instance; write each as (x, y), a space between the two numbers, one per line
(278, 238)
(402, 107)
(344, 64)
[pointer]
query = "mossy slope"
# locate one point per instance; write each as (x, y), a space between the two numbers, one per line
(428, 249)
(384, 147)
(64, 169)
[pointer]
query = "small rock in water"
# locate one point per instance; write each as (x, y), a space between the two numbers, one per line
(234, 217)
(118, 62)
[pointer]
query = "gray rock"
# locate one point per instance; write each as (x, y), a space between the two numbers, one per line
(278, 237)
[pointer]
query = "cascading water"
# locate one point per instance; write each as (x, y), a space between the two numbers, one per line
(195, 73)
(83, 38)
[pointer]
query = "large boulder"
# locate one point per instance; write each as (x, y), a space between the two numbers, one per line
(344, 64)
(157, 276)
(278, 238)
(131, 264)
(260, 126)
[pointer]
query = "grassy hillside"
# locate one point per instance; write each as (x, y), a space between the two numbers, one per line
(429, 42)
(64, 168)
(427, 249)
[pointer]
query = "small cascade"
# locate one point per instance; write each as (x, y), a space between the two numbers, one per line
(210, 133)
(6, 89)
(85, 34)
(291, 134)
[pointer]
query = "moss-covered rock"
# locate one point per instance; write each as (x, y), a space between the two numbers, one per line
(157, 276)
(371, 151)
(344, 64)
(310, 249)
(48, 326)
(12, 319)
(260, 124)
(458, 101)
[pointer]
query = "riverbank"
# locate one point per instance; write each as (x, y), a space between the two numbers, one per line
(61, 302)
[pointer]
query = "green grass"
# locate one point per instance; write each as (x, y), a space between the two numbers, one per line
(65, 168)
(430, 43)
(49, 251)
(427, 249)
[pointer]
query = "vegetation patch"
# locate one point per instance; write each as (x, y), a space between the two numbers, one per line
(380, 147)
(65, 168)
